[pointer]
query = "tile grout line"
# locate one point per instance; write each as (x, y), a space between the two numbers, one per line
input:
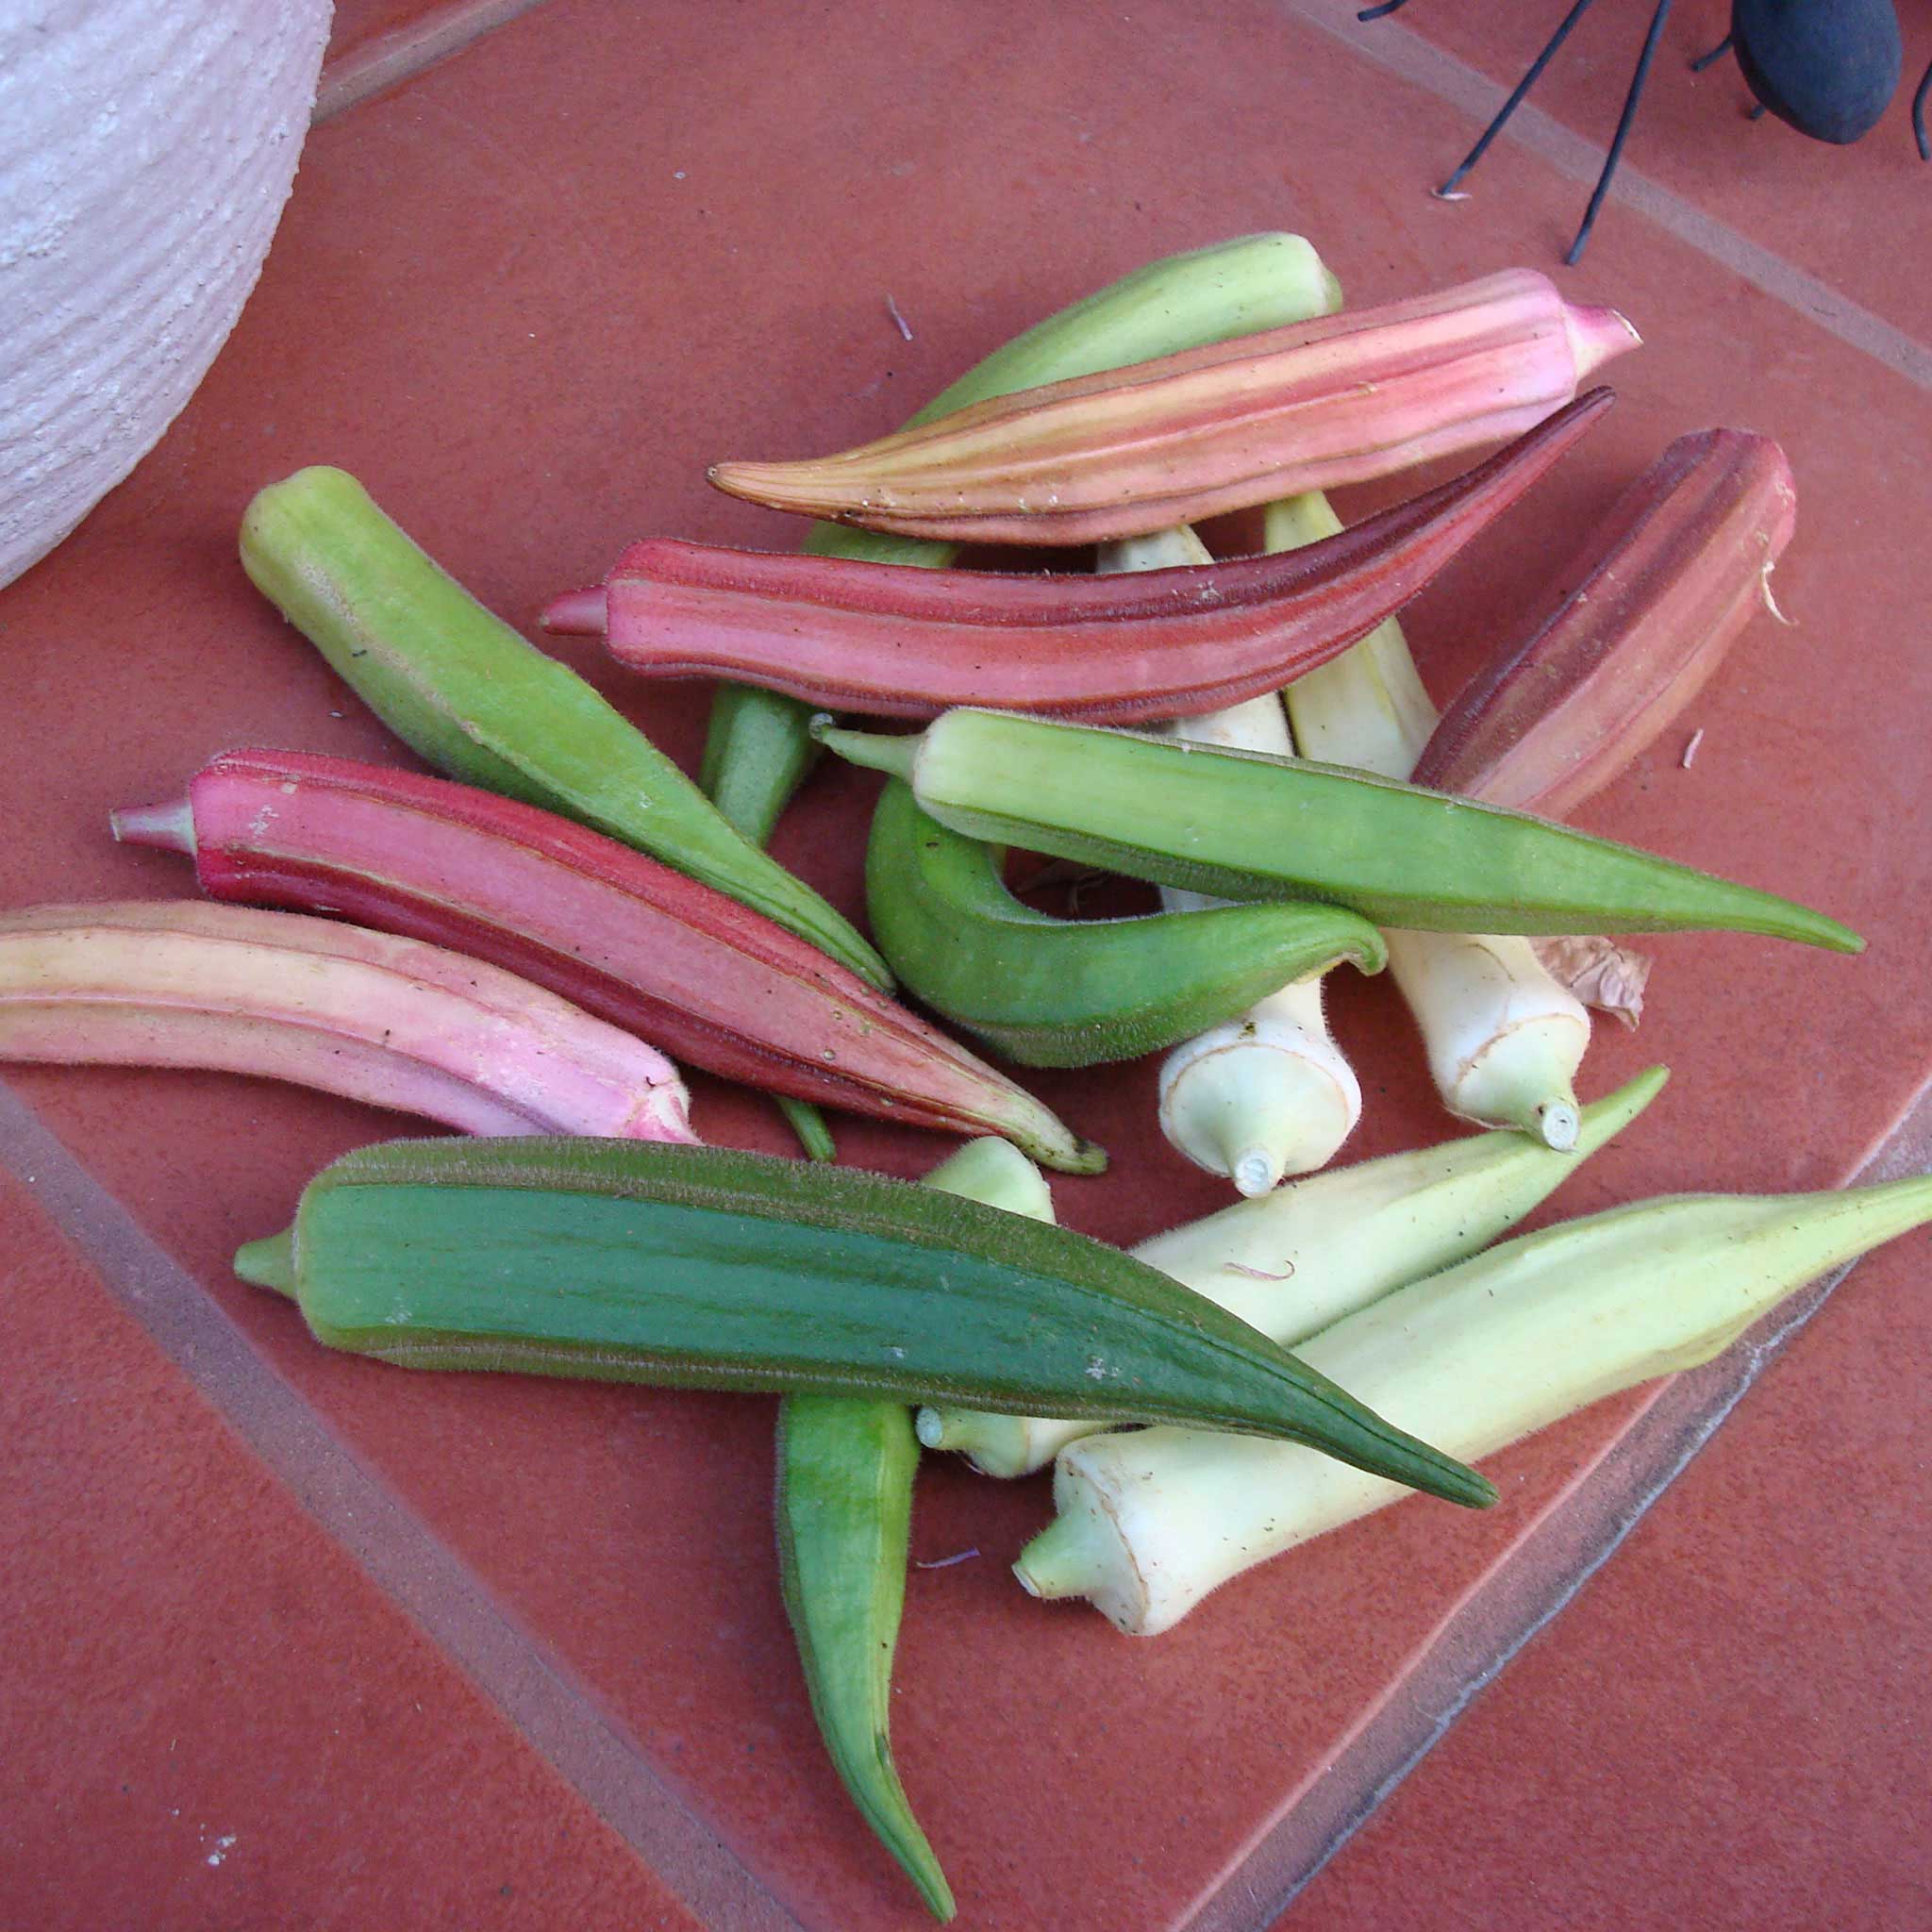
(365, 1517)
(1503, 1613)
(393, 58)
(1403, 52)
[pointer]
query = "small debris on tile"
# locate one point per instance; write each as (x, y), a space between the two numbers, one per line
(903, 326)
(947, 1562)
(1691, 749)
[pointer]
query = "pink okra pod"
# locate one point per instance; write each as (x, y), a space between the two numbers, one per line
(390, 1020)
(603, 925)
(1312, 406)
(1631, 632)
(892, 642)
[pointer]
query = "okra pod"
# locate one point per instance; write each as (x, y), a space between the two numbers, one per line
(1336, 399)
(1315, 1250)
(1633, 632)
(1105, 650)
(1243, 825)
(391, 1022)
(1057, 992)
(725, 1270)
(1480, 1355)
(609, 928)
(844, 1510)
(474, 698)
(760, 746)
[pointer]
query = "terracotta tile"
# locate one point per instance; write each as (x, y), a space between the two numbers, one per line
(212, 1716)
(1782, 1580)
(1853, 216)
(527, 311)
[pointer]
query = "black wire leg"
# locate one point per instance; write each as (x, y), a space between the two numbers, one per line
(1918, 101)
(1623, 134)
(1515, 100)
(1711, 58)
(1387, 7)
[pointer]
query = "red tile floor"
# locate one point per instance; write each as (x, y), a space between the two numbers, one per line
(294, 1641)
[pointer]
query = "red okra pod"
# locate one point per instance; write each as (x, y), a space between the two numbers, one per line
(1636, 626)
(889, 642)
(1332, 400)
(620, 934)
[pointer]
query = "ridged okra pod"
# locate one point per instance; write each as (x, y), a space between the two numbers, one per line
(1336, 399)
(621, 934)
(1109, 649)
(1066, 992)
(844, 1512)
(388, 1021)
(1301, 1257)
(736, 1271)
(760, 746)
(1484, 1353)
(475, 699)
(1242, 825)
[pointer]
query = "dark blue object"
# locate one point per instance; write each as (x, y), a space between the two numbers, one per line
(1828, 67)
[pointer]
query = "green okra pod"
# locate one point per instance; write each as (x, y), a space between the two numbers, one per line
(591, 1259)
(1057, 992)
(1246, 826)
(481, 703)
(759, 746)
(844, 1509)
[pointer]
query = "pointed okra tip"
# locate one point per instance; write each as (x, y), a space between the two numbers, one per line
(270, 1262)
(1602, 1119)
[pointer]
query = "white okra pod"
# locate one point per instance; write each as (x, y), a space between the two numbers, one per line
(1305, 1255)
(1267, 1093)
(1504, 1036)
(1474, 1357)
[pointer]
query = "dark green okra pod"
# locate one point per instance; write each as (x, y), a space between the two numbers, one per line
(759, 746)
(602, 1260)
(481, 703)
(1057, 992)
(844, 1509)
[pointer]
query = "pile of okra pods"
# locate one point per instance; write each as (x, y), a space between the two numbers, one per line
(523, 947)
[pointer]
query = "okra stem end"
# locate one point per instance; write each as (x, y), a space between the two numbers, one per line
(169, 826)
(577, 613)
(270, 1262)
(1597, 334)
(997, 1445)
(1074, 1556)
(878, 751)
(1257, 1171)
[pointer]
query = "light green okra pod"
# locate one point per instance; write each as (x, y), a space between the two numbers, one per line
(1243, 825)
(482, 704)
